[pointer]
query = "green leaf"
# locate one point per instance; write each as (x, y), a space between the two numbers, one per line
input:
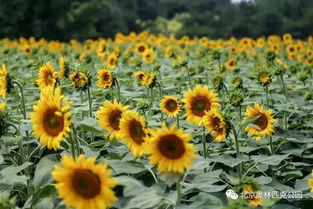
(43, 170)
(249, 120)
(269, 160)
(90, 124)
(130, 167)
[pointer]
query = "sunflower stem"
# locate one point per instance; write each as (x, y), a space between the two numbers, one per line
(267, 97)
(178, 188)
(177, 121)
(161, 96)
(118, 90)
(72, 145)
(22, 97)
(89, 101)
(271, 145)
(189, 79)
(204, 142)
(237, 152)
(151, 97)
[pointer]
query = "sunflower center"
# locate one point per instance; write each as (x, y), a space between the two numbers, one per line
(232, 63)
(136, 131)
(171, 146)
(52, 123)
(49, 78)
(112, 61)
(261, 122)
(171, 105)
(114, 119)
(86, 183)
(216, 123)
(141, 49)
(106, 77)
(199, 105)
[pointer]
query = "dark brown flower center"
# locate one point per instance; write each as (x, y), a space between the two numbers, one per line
(261, 122)
(141, 49)
(171, 146)
(199, 105)
(106, 77)
(216, 123)
(136, 131)
(52, 123)
(114, 119)
(171, 105)
(86, 184)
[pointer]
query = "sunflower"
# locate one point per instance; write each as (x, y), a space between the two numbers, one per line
(84, 184)
(287, 38)
(105, 78)
(149, 56)
(170, 149)
(170, 106)
(64, 68)
(291, 49)
(6, 85)
(109, 116)
(231, 64)
(80, 80)
(264, 124)
(214, 122)
(197, 101)
(140, 76)
(141, 48)
(111, 61)
(133, 132)
(51, 118)
(148, 80)
(47, 76)
(310, 181)
(251, 195)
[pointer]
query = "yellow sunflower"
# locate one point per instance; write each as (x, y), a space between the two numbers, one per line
(170, 149)
(109, 116)
(170, 106)
(141, 48)
(148, 80)
(251, 195)
(84, 184)
(140, 75)
(149, 56)
(214, 122)
(105, 78)
(2, 106)
(231, 64)
(3, 81)
(264, 124)
(79, 79)
(111, 61)
(133, 132)
(64, 68)
(51, 118)
(310, 181)
(197, 102)
(47, 76)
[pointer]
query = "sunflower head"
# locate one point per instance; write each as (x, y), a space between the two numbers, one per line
(105, 78)
(170, 106)
(215, 122)
(140, 75)
(264, 77)
(170, 149)
(112, 61)
(149, 80)
(51, 118)
(83, 183)
(149, 56)
(109, 116)
(197, 102)
(236, 98)
(47, 76)
(310, 181)
(141, 48)
(263, 123)
(6, 82)
(231, 64)
(237, 81)
(81, 79)
(251, 194)
(218, 81)
(133, 132)
(64, 68)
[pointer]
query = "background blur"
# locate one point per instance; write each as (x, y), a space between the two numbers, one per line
(81, 19)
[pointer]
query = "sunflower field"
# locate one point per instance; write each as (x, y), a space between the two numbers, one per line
(153, 121)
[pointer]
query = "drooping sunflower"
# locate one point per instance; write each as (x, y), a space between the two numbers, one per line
(197, 102)
(170, 149)
(251, 195)
(84, 184)
(264, 122)
(148, 80)
(6, 85)
(109, 116)
(170, 106)
(231, 64)
(80, 80)
(264, 77)
(133, 132)
(51, 118)
(64, 68)
(47, 76)
(214, 122)
(105, 78)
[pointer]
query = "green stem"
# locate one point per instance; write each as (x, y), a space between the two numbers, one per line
(284, 86)
(177, 121)
(161, 96)
(267, 97)
(189, 78)
(178, 188)
(89, 101)
(271, 145)
(151, 97)
(22, 97)
(204, 142)
(118, 90)
(72, 145)
(237, 151)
